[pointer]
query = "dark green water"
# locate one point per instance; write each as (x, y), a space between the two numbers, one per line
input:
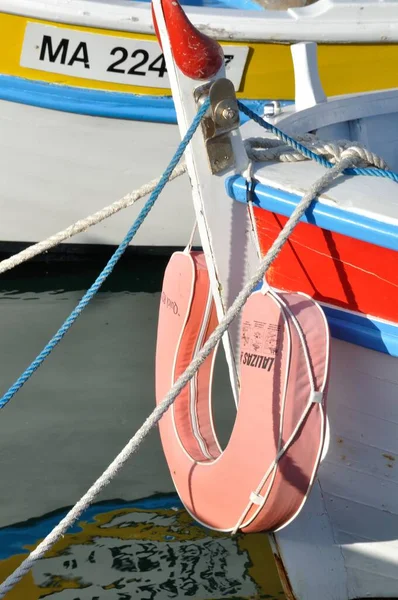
(71, 419)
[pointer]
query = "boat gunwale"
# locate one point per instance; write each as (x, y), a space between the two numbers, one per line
(325, 214)
(379, 27)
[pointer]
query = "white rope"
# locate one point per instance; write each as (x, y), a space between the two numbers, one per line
(267, 149)
(84, 224)
(284, 447)
(348, 159)
(253, 227)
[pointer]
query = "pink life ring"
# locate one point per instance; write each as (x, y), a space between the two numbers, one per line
(262, 478)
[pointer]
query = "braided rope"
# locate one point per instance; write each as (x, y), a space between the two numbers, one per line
(262, 150)
(348, 157)
(89, 295)
(308, 153)
(86, 223)
(137, 439)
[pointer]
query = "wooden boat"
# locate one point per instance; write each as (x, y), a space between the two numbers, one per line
(84, 122)
(344, 254)
(342, 544)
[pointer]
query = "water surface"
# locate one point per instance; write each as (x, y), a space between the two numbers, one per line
(67, 424)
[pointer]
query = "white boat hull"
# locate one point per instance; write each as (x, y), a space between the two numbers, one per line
(352, 552)
(59, 167)
(343, 544)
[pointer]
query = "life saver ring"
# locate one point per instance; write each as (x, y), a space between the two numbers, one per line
(262, 478)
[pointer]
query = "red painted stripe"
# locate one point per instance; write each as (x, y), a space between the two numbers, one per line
(332, 267)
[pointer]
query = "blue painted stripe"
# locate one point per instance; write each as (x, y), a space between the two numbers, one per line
(97, 103)
(325, 216)
(361, 330)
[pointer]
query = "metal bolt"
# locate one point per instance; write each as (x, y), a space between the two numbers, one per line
(228, 114)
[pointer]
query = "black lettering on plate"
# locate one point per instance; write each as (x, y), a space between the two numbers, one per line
(142, 56)
(60, 52)
(143, 61)
(161, 69)
(118, 50)
(228, 58)
(80, 55)
(47, 48)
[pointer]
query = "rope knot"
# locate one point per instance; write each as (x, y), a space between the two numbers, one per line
(364, 157)
(284, 150)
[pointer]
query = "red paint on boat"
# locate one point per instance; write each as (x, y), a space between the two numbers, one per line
(195, 54)
(332, 267)
(284, 366)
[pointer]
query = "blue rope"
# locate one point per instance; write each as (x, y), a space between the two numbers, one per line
(308, 153)
(88, 296)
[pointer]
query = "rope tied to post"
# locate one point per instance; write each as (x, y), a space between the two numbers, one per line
(346, 162)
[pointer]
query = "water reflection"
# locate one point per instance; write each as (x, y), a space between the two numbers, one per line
(67, 424)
